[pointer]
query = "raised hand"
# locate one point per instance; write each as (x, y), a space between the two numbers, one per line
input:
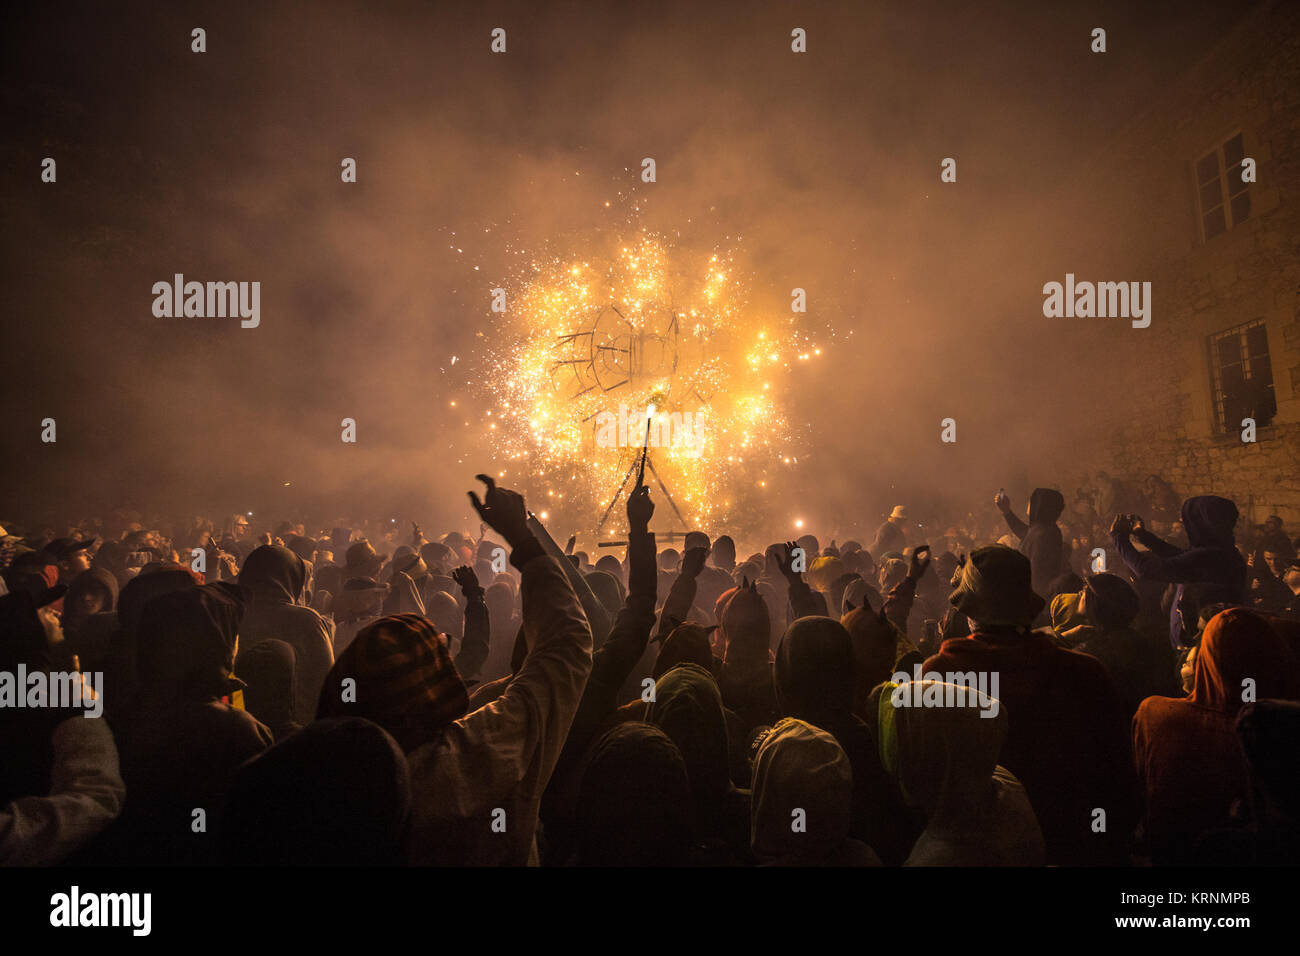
(787, 561)
(693, 562)
(639, 507)
(1122, 526)
(1002, 501)
(467, 579)
(920, 561)
(502, 510)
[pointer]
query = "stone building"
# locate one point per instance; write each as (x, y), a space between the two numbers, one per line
(1166, 202)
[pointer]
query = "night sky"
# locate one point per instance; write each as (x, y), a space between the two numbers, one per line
(820, 170)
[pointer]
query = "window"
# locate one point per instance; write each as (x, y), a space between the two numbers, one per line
(1224, 198)
(1242, 382)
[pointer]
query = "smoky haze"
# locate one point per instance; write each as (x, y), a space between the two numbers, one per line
(820, 170)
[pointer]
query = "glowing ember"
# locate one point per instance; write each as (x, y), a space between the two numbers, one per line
(602, 347)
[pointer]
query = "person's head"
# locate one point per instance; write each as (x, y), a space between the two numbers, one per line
(404, 680)
(1240, 649)
(1210, 521)
(899, 516)
(994, 589)
(724, 553)
(186, 643)
(1273, 524)
(800, 767)
(815, 669)
(500, 600)
(363, 561)
(634, 800)
(273, 574)
(1275, 561)
(300, 802)
(891, 572)
(687, 706)
(695, 539)
(810, 545)
(1108, 601)
(91, 592)
(238, 527)
(1291, 576)
(71, 556)
(688, 643)
(605, 587)
(745, 621)
(611, 566)
(669, 560)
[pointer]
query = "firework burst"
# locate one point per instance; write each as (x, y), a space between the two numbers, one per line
(643, 338)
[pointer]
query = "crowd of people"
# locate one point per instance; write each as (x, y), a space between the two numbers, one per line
(1053, 689)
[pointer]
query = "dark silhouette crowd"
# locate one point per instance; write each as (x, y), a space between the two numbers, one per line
(1112, 683)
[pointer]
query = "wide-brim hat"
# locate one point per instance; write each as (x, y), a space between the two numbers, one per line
(994, 588)
(899, 511)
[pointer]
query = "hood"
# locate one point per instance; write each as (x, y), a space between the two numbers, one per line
(269, 669)
(100, 579)
(745, 623)
(605, 586)
(273, 575)
(1209, 521)
(943, 756)
(688, 708)
(185, 645)
(815, 668)
(876, 647)
(143, 588)
(291, 806)
(1045, 506)
(1238, 644)
(799, 766)
(687, 644)
(634, 801)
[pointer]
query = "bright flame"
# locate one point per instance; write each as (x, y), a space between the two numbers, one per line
(668, 338)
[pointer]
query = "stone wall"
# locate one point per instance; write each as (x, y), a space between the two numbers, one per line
(1140, 188)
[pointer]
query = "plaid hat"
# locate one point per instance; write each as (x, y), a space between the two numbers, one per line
(405, 680)
(994, 588)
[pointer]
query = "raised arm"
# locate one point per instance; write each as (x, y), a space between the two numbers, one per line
(804, 601)
(1003, 503)
(474, 646)
(1172, 566)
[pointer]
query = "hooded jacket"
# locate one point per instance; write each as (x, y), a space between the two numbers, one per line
(1040, 539)
(745, 678)
(634, 801)
(1066, 737)
(1209, 571)
(945, 760)
(688, 708)
(181, 746)
(815, 678)
(1188, 758)
(498, 758)
(293, 806)
(272, 580)
(801, 769)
